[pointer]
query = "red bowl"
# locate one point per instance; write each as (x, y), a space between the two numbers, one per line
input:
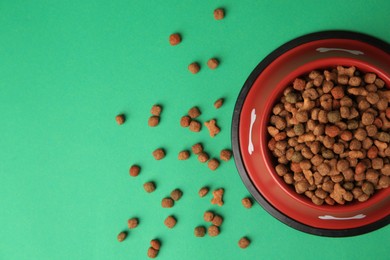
(253, 159)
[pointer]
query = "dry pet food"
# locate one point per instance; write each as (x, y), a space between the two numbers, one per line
(218, 103)
(203, 157)
(120, 119)
(195, 126)
(156, 110)
(134, 170)
(176, 194)
(213, 164)
(197, 148)
(203, 192)
(183, 155)
(170, 221)
(185, 121)
(155, 243)
(219, 14)
(213, 231)
(194, 112)
(174, 39)
(153, 121)
(213, 63)
(247, 203)
(159, 154)
(132, 223)
(167, 203)
(217, 220)
(217, 197)
(200, 231)
(225, 155)
(194, 67)
(122, 236)
(152, 253)
(329, 134)
(208, 216)
(212, 127)
(149, 186)
(244, 242)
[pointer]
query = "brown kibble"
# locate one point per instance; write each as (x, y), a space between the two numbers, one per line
(337, 92)
(203, 192)
(120, 119)
(153, 121)
(170, 222)
(203, 157)
(332, 131)
(208, 216)
(152, 253)
(197, 148)
(194, 67)
(167, 203)
(184, 155)
(386, 170)
(218, 197)
(372, 152)
(212, 127)
(217, 220)
(149, 187)
(185, 121)
(368, 188)
(195, 126)
(122, 236)
(247, 203)
(213, 164)
(194, 112)
(213, 231)
(219, 14)
(200, 231)
(219, 103)
(174, 39)
(244, 242)
(159, 154)
(156, 110)
(134, 170)
(355, 81)
(176, 194)
(132, 223)
(369, 78)
(155, 243)
(213, 63)
(225, 155)
(299, 84)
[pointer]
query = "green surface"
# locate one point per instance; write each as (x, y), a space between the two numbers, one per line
(68, 67)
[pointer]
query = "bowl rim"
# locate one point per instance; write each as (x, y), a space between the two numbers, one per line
(332, 34)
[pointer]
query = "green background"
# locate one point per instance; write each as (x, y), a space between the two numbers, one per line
(68, 67)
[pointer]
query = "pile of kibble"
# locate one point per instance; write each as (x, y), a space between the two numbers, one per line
(329, 135)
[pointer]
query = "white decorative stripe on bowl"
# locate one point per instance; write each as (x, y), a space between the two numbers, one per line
(355, 52)
(329, 217)
(251, 148)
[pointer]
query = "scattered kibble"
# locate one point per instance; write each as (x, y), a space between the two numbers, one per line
(203, 157)
(195, 126)
(156, 110)
(244, 242)
(167, 203)
(218, 103)
(194, 112)
(213, 63)
(159, 154)
(213, 164)
(203, 192)
(132, 223)
(218, 197)
(217, 220)
(247, 202)
(176, 194)
(225, 155)
(185, 121)
(122, 236)
(184, 155)
(149, 187)
(155, 243)
(170, 222)
(152, 253)
(153, 121)
(134, 170)
(219, 13)
(213, 231)
(197, 148)
(174, 39)
(212, 127)
(200, 231)
(120, 119)
(208, 216)
(194, 67)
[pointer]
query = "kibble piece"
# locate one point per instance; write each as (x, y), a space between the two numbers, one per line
(174, 39)
(369, 78)
(120, 119)
(167, 203)
(176, 194)
(159, 154)
(200, 231)
(149, 187)
(219, 13)
(194, 67)
(195, 126)
(185, 121)
(184, 155)
(212, 127)
(213, 231)
(155, 243)
(213, 63)
(170, 221)
(194, 112)
(197, 148)
(247, 203)
(156, 110)
(218, 197)
(122, 236)
(217, 220)
(218, 103)
(213, 164)
(153, 121)
(152, 253)
(134, 170)
(244, 242)
(225, 155)
(203, 192)
(203, 157)
(208, 216)
(132, 223)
